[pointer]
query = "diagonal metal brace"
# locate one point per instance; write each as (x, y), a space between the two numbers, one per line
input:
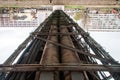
(71, 48)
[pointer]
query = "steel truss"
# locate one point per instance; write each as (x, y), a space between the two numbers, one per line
(59, 49)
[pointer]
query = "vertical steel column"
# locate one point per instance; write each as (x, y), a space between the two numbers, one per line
(50, 56)
(69, 56)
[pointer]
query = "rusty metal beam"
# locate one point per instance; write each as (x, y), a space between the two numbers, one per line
(54, 34)
(69, 56)
(59, 67)
(50, 55)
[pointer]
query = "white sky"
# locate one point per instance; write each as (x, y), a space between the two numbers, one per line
(110, 41)
(11, 38)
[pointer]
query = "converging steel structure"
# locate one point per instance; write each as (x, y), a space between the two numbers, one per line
(59, 50)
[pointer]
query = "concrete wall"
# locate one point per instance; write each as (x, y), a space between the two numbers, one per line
(37, 3)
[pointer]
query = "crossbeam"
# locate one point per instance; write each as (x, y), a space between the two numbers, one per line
(59, 67)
